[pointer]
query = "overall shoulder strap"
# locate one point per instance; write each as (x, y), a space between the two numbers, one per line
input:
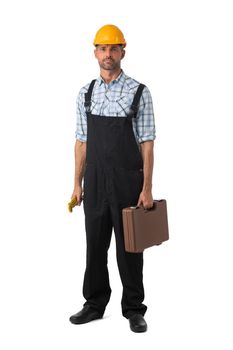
(135, 103)
(88, 94)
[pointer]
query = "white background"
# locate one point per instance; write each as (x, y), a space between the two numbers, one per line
(182, 50)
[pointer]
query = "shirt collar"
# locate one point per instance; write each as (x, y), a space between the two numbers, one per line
(120, 79)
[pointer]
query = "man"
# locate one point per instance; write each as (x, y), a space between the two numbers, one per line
(114, 155)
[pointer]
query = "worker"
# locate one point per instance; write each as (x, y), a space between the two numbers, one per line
(115, 136)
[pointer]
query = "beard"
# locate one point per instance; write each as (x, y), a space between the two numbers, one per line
(109, 64)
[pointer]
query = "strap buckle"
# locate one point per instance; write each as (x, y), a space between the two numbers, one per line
(87, 105)
(133, 110)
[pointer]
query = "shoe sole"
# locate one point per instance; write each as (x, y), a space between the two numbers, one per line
(139, 330)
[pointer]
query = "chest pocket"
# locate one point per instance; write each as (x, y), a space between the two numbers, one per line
(122, 104)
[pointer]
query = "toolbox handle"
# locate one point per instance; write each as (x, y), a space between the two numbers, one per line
(141, 206)
(152, 208)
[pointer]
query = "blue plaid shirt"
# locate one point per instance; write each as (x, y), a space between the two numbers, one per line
(114, 99)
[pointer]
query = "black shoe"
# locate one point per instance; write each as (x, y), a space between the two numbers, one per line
(137, 323)
(87, 314)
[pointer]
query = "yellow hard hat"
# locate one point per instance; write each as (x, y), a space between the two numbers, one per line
(109, 34)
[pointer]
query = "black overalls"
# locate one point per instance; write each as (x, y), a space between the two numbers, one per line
(113, 179)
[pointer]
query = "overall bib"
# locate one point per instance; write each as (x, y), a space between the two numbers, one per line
(113, 179)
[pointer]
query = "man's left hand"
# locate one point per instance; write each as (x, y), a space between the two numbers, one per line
(145, 199)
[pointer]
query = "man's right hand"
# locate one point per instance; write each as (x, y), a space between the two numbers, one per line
(78, 193)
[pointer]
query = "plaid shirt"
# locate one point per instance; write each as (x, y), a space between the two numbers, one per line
(114, 99)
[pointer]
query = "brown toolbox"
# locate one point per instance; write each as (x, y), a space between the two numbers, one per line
(144, 228)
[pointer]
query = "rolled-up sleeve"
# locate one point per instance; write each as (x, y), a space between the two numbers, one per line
(81, 119)
(145, 121)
